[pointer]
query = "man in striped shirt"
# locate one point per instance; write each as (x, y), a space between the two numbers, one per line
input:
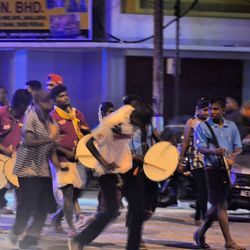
(40, 135)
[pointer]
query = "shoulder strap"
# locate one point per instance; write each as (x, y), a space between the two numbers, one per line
(214, 138)
(144, 140)
(153, 136)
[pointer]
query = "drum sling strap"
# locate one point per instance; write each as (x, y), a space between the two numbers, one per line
(144, 146)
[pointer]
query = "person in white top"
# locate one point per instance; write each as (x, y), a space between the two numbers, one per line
(114, 158)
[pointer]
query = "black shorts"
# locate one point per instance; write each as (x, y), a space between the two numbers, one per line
(218, 186)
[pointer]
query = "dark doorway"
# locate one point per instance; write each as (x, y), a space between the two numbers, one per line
(199, 77)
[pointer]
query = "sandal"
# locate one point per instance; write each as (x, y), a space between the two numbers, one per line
(234, 246)
(200, 241)
(72, 233)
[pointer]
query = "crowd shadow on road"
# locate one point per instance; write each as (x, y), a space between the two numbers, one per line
(239, 217)
(172, 244)
(58, 247)
(174, 220)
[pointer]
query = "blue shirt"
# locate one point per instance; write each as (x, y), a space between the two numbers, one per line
(228, 138)
(136, 143)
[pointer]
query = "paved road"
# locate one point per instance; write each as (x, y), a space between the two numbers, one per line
(170, 228)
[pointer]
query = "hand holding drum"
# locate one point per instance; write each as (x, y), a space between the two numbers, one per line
(83, 154)
(160, 161)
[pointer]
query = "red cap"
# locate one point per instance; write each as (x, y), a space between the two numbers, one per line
(55, 78)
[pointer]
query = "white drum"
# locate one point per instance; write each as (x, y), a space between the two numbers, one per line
(6, 171)
(83, 154)
(3, 180)
(160, 161)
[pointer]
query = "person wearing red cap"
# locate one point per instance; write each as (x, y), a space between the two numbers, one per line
(53, 80)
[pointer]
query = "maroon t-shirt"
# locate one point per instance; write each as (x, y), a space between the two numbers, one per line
(10, 128)
(69, 136)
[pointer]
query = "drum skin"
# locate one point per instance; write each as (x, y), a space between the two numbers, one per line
(83, 154)
(3, 180)
(8, 171)
(160, 161)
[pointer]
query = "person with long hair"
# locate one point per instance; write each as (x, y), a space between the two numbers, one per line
(195, 159)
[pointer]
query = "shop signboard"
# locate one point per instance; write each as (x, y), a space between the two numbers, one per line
(45, 19)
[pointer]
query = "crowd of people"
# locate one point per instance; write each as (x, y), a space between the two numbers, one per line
(40, 130)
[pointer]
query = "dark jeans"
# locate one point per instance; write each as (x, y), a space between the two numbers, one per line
(133, 190)
(151, 194)
(201, 193)
(3, 201)
(108, 189)
(35, 198)
(170, 186)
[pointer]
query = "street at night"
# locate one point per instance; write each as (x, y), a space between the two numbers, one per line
(169, 228)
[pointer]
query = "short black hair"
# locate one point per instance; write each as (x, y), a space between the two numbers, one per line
(21, 97)
(128, 99)
(220, 100)
(202, 103)
(57, 90)
(34, 84)
(105, 106)
(143, 112)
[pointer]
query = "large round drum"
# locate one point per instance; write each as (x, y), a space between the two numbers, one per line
(83, 154)
(160, 161)
(3, 180)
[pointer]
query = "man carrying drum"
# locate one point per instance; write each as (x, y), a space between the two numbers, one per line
(11, 122)
(114, 158)
(215, 138)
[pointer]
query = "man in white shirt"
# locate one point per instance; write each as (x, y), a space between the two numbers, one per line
(114, 158)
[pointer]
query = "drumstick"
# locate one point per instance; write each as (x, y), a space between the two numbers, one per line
(154, 166)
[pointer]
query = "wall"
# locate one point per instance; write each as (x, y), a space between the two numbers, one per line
(7, 69)
(81, 72)
(92, 76)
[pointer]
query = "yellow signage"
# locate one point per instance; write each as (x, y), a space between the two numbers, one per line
(210, 8)
(58, 17)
